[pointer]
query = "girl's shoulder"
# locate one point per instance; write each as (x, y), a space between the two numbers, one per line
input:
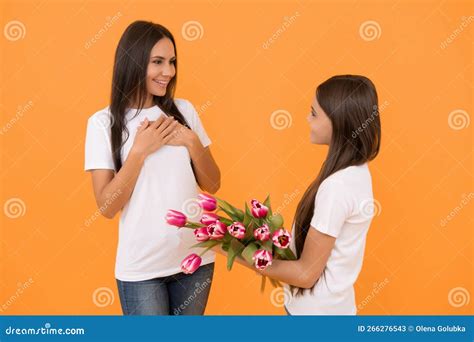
(352, 175)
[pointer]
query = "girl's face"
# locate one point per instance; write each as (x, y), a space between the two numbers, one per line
(161, 68)
(320, 125)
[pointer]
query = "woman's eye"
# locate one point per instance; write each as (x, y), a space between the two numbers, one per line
(157, 61)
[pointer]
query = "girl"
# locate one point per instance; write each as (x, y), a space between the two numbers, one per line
(333, 217)
(147, 152)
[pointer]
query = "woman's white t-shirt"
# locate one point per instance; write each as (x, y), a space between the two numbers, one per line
(147, 246)
(343, 209)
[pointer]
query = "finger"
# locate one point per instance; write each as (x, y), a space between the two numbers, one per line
(167, 139)
(158, 122)
(169, 130)
(144, 124)
(165, 124)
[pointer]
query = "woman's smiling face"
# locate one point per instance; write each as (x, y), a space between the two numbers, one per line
(161, 68)
(320, 125)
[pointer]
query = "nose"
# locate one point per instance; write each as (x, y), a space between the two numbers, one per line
(308, 118)
(168, 70)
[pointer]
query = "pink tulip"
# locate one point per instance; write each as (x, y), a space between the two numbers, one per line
(281, 238)
(216, 230)
(207, 202)
(176, 218)
(258, 209)
(191, 263)
(262, 233)
(201, 234)
(209, 218)
(237, 230)
(262, 259)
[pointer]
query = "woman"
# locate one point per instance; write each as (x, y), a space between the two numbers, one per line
(334, 214)
(149, 159)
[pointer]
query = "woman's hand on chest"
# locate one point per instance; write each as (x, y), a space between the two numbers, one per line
(183, 136)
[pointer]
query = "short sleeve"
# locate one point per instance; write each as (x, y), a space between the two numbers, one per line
(196, 125)
(331, 208)
(98, 149)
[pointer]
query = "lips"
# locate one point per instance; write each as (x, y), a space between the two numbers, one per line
(162, 83)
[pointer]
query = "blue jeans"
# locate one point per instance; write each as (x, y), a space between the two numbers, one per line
(178, 294)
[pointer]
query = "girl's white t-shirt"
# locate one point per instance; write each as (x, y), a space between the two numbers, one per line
(344, 208)
(148, 247)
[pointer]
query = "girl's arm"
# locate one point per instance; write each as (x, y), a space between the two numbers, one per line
(305, 271)
(112, 191)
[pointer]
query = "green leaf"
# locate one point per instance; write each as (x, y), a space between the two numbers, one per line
(247, 216)
(275, 222)
(235, 249)
(248, 252)
(225, 221)
(225, 245)
(268, 245)
(226, 241)
(234, 213)
(268, 205)
(285, 253)
(205, 244)
(193, 225)
(262, 285)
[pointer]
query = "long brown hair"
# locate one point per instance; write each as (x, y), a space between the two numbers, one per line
(129, 80)
(351, 103)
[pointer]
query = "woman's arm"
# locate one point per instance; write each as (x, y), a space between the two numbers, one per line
(205, 169)
(303, 272)
(112, 191)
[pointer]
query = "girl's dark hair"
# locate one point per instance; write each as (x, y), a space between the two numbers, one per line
(351, 103)
(129, 80)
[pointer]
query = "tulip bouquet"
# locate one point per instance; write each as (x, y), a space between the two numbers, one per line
(254, 234)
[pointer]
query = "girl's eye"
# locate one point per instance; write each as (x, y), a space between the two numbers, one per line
(159, 61)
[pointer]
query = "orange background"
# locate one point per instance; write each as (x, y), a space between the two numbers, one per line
(414, 263)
